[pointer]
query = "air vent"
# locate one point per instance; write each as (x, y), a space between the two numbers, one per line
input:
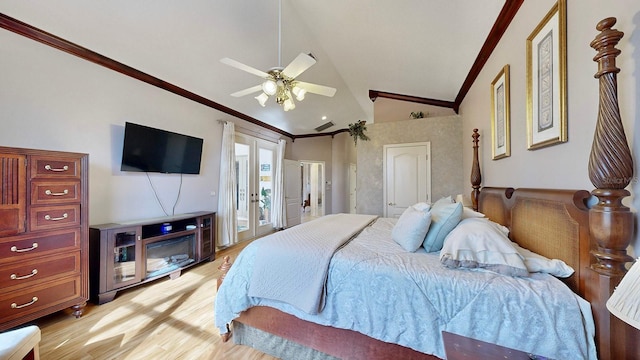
(324, 126)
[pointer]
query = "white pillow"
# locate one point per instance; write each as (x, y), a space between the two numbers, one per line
(470, 213)
(538, 263)
(422, 206)
(477, 243)
(445, 216)
(411, 228)
(505, 230)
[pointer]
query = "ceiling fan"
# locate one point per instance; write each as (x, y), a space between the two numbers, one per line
(281, 81)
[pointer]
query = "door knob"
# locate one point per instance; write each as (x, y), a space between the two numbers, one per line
(391, 204)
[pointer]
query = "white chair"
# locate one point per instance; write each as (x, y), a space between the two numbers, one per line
(22, 343)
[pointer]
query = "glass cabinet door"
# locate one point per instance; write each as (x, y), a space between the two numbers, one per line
(122, 267)
(207, 229)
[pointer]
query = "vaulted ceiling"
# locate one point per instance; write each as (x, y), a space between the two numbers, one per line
(421, 49)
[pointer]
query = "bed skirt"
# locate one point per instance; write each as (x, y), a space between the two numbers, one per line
(274, 345)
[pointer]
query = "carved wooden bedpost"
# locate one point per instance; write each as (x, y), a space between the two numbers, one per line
(476, 177)
(611, 224)
(610, 163)
(224, 269)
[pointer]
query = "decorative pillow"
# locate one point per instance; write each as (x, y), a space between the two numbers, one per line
(411, 228)
(538, 263)
(477, 243)
(445, 216)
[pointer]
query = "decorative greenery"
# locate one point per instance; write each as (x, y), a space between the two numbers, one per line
(266, 198)
(417, 114)
(357, 129)
(266, 203)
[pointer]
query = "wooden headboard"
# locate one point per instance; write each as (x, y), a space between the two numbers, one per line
(553, 223)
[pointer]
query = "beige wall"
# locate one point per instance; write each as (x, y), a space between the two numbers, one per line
(337, 153)
(386, 110)
(563, 165)
(444, 134)
(343, 153)
(317, 149)
(52, 100)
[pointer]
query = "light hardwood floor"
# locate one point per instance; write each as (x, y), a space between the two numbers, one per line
(165, 319)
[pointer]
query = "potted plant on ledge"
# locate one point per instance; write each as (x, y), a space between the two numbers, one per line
(417, 115)
(357, 129)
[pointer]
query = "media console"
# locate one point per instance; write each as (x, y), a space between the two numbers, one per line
(129, 254)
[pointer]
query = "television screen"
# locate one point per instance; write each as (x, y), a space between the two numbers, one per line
(148, 149)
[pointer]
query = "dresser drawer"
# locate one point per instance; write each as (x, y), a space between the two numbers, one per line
(54, 167)
(51, 217)
(15, 304)
(25, 247)
(35, 271)
(55, 192)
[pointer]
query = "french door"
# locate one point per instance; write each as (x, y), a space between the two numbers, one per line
(255, 166)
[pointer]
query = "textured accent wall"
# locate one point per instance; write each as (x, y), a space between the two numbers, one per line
(447, 174)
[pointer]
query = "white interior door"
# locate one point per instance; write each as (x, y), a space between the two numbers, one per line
(292, 194)
(255, 166)
(407, 178)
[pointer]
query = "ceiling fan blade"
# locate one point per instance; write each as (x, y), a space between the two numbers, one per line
(243, 67)
(301, 63)
(247, 91)
(317, 89)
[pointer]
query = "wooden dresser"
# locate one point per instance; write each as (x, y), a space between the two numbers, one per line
(43, 234)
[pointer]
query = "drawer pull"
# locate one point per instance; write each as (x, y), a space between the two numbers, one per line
(48, 167)
(33, 301)
(16, 277)
(49, 192)
(48, 217)
(33, 247)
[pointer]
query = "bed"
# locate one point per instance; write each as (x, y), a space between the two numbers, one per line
(557, 224)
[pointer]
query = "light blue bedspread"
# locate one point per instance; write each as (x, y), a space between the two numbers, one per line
(378, 289)
(292, 265)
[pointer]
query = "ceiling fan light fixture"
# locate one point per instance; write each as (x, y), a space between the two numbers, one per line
(299, 93)
(269, 87)
(288, 105)
(280, 82)
(262, 99)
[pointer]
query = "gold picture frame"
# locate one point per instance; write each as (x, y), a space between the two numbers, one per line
(501, 115)
(547, 80)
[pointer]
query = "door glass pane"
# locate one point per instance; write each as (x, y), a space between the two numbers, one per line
(124, 260)
(265, 185)
(242, 180)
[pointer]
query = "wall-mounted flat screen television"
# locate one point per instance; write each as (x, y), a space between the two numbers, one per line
(148, 149)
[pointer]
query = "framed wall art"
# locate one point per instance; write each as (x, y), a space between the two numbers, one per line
(500, 115)
(547, 80)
